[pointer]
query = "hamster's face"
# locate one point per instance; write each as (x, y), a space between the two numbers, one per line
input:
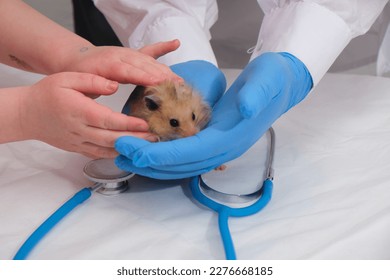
(176, 111)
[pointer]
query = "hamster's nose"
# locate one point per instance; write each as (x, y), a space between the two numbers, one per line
(190, 131)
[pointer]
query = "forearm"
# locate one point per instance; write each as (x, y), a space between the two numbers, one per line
(32, 42)
(10, 114)
(187, 21)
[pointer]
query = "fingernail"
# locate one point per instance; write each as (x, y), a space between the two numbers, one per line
(179, 79)
(142, 126)
(152, 138)
(248, 112)
(112, 85)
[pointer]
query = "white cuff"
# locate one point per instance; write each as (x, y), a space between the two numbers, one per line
(312, 33)
(194, 40)
(140, 23)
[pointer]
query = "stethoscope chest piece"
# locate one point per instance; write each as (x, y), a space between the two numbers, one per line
(108, 178)
(241, 183)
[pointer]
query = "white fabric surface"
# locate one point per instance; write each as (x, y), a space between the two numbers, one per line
(330, 201)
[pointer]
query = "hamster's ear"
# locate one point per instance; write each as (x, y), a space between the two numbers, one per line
(152, 102)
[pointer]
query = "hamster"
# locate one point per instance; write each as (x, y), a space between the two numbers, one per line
(172, 110)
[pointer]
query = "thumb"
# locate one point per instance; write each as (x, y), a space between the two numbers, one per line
(254, 98)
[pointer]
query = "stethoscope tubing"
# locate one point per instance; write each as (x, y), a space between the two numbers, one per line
(50, 222)
(224, 211)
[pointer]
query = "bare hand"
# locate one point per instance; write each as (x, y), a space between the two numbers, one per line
(57, 111)
(126, 65)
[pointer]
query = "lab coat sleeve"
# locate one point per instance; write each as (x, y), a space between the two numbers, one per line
(383, 58)
(142, 22)
(314, 31)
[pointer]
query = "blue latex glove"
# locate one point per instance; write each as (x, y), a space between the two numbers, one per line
(268, 87)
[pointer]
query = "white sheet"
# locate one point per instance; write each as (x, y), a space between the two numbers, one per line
(331, 195)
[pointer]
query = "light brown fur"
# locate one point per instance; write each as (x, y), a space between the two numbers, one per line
(172, 110)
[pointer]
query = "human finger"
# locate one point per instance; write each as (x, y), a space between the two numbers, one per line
(94, 151)
(159, 49)
(89, 83)
(125, 164)
(254, 97)
(146, 71)
(123, 147)
(107, 138)
(97, 115)
(179, 151)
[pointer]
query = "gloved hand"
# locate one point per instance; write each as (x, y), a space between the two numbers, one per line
(268, 87)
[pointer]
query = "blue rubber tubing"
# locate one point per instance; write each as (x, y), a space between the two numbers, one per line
(224, 212)
(50, 222)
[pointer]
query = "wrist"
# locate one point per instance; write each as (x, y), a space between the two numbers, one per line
(68, 55)
(12, 116)
(303, 81)
(27, 113)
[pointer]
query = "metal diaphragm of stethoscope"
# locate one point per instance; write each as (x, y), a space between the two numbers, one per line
(108, 178)
(209, 189)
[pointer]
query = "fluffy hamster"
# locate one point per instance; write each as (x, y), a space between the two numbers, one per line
(172, 110)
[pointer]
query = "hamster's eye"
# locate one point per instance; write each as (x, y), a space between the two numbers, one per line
(193, 116)
(174, 122)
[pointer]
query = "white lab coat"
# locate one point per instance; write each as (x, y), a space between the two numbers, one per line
(315, 31)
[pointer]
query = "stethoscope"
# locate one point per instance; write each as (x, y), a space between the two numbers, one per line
(237, 204)
(110, 180)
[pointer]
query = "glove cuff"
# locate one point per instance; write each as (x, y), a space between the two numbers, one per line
(303, 81)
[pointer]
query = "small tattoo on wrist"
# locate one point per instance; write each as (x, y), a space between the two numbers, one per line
(84, 49)
(20, 63)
